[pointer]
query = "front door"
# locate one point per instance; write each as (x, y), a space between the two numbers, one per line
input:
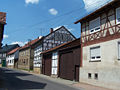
(3, 63)
(76, 73)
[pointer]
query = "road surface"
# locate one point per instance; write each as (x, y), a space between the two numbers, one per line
(19, 80)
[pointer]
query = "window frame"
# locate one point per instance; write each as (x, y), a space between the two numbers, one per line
(96, 59)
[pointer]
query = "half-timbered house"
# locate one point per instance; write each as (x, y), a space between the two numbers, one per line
(100, 46)
(54, 38)
(62, 61)
(3, 53)
(12, 58)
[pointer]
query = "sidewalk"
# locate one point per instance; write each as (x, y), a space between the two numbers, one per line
(89, 87)
(77, 85)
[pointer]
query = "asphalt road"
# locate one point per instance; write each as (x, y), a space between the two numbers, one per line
(18, 80)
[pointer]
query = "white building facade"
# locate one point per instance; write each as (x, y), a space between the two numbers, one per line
(12, 58)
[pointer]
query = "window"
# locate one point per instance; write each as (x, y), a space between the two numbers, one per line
(94, 25)
(96, 76)
(118, 15)
(89, 75)
(4, 55)
(95, 54)
(119, 50)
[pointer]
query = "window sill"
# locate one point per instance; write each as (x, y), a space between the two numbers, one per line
(95, 61)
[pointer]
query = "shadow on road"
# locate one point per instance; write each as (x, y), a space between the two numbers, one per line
(14, 80)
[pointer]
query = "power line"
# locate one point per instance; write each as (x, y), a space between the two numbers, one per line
(54, 18)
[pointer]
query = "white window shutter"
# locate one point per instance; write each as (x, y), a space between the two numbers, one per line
(92, 52)
(95, 23)
(118, 15)
(95, 53)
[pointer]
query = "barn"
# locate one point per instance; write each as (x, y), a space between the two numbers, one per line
(69, 61)
(62, 61)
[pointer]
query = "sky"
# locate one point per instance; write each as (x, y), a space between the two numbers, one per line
(29, 19)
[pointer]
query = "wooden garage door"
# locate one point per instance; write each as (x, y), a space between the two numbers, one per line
(66, 66)
(47, 65)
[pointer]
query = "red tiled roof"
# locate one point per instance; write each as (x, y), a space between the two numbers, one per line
(30, 43)
(13, 51)
(2, 17)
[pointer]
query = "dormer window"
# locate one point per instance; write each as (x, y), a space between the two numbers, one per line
(94, 25)
(118, 15)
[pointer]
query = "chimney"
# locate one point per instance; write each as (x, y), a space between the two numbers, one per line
(51, 30)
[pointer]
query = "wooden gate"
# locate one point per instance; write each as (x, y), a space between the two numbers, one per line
(47, 64)
(66, 66)
(3, 63)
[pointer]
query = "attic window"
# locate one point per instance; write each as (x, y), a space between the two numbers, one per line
(118, 15)
(94, 25)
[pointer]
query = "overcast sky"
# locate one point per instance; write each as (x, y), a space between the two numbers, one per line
(28, 19)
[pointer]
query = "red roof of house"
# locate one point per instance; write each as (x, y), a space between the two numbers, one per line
(2, 17)
(13, 51)
(30, 43)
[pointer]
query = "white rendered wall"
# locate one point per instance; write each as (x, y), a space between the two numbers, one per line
(108, 69)
(10, 59)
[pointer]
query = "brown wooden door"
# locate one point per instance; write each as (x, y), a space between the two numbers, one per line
(47, 65)
(66, 66)
(76, 73)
